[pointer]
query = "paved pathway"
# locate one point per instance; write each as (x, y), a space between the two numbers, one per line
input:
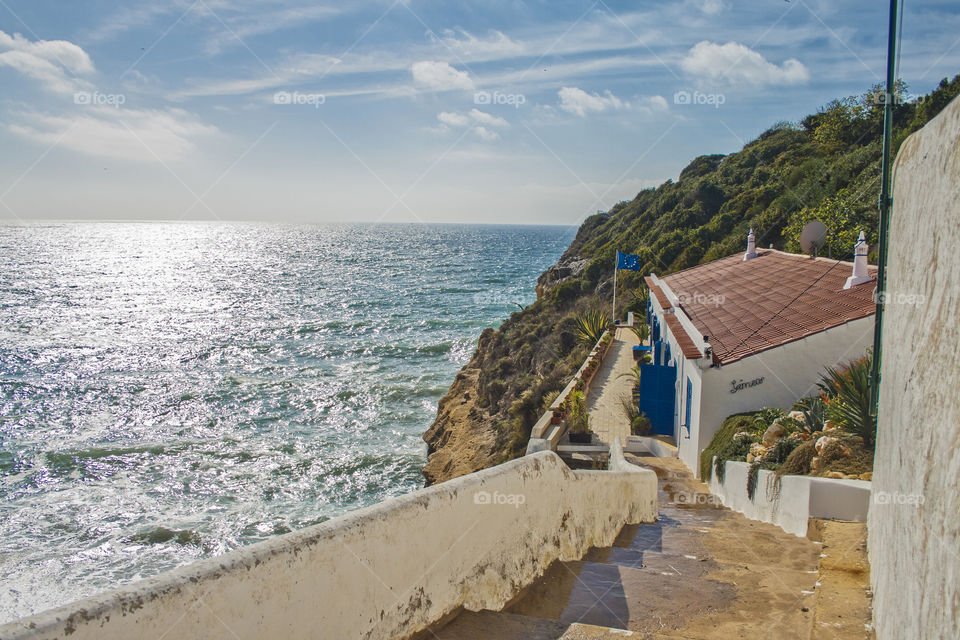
(700, 572)
(607, 389)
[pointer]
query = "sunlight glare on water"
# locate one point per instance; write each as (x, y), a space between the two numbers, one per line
(173, 391)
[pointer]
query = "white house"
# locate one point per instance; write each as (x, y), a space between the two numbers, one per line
(749, 331)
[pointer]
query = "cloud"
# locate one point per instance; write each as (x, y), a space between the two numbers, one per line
(475, 115)
(579, 102)
(439, 76)
(466, 45)
(488, 119)
(453, 119)
(738, 64)
(480, 123)
(711, 7)
(55, 63)
(128, 18)
(658, 103)
(128, 134)
(266, 22)
(485, 134)
(293, 72)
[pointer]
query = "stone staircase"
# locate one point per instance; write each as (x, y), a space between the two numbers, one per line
(701, 571)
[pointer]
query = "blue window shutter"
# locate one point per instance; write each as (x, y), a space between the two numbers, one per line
(686, 419)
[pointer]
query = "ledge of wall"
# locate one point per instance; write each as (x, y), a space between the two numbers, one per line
(800, 498)
(385, 571)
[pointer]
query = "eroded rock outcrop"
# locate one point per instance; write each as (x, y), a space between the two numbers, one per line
(462, 438)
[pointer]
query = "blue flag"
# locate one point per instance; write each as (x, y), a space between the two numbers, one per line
(629, 261)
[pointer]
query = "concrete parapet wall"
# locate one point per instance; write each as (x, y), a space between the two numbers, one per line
(914, 529)
(799, 498)
(382, 572)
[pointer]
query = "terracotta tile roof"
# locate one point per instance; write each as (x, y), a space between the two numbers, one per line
(658, 292)
(746, 307)
(689, 349)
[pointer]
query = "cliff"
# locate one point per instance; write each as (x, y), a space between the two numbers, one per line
(824, 167)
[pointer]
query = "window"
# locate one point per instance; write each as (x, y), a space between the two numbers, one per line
(689, 405)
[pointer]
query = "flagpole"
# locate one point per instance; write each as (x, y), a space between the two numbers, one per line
(613, 314)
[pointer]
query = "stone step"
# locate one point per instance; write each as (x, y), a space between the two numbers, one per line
(487, 625)
(668, 591)
(700, 572)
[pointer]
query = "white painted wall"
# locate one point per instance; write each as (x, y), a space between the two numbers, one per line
(381, 572)
(790, 372)
(915, 548)
(800, 498)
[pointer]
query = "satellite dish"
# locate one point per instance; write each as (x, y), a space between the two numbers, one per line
(813, 236)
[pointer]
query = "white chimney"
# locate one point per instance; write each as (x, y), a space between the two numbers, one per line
(751, 246)
(860, 274)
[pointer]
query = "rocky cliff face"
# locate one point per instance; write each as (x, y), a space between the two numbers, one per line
(463, 438)
(486, 416)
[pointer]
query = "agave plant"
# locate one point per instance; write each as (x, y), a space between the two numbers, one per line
(814, 413)
(590, 326)
(849, 393)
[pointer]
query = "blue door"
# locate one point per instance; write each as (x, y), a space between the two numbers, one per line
(657, 396)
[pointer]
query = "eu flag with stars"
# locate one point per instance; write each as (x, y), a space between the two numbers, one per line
(629, 261)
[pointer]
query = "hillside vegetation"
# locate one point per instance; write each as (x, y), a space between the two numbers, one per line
(825, 167)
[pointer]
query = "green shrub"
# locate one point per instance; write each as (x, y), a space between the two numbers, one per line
(736, 449)
(798, 462)
(566, 292)
(765, 417)
(731, 426)
(579, 414)
(772, 460)
(640, 425)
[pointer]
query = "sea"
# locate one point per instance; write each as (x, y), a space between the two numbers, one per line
(172, 391)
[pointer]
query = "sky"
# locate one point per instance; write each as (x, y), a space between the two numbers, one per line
(413, 111)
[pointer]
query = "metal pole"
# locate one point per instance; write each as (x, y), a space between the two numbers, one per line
(613, 316)
(886, 201)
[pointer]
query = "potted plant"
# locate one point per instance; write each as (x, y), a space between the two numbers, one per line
(557, 416)
(579, 419)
